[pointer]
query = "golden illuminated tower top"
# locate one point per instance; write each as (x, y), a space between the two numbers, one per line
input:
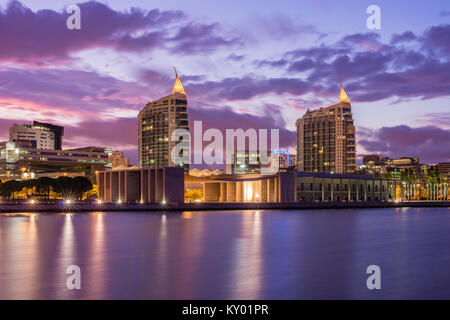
(343, 96)
(178, 87)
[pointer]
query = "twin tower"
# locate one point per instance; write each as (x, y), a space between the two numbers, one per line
(325, 137)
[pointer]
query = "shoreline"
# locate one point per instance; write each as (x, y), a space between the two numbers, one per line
(57, 208)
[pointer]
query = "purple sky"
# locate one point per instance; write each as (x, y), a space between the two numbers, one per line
(243, 64)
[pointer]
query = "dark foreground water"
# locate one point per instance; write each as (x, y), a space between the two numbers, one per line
(227, 255)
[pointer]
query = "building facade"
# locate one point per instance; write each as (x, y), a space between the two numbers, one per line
(17, 158)
(287, 187)
(326, 139)
(393, 168)
(246, 162)
(58, 132)
(117, 159)
(157, 122)
(286, 160)
(444, 169)
(36, 136)
(167, 186)
(161, 185)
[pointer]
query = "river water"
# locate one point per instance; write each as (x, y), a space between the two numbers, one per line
(266, 254)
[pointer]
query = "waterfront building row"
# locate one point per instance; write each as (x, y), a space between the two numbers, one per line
(168, 184)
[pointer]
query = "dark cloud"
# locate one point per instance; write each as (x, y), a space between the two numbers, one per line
(195, 38)
(247, 87)
(374, 71)
(68, 90)
(271, 63)
(404, 37)
(437, 38)
(367, 41)
(34, 37)
(431, 144)
(302, 65)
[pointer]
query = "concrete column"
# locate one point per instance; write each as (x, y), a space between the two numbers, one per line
(313, 191)
(323, 192)
(357, 190)
(349, 190)
(365, 190)
(240, 191)
(122, 187)
(151, 186)
(381, 191)
(144, 186)
(159, 185)
(108, 191)
(228, 198)
(114, 186)
(277, 189)
(231, 191)
(223, 192)
(264, 195)
(100, 176)
(332, 190)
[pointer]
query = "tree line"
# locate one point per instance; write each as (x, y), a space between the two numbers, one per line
(46, 188)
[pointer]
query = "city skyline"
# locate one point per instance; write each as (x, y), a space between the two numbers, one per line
(392, 76)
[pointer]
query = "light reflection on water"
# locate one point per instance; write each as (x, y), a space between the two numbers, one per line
(227, 255)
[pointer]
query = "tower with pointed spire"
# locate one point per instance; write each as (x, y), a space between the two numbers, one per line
(343, 95)
(326, 138)
(157, 121)
(177, 87)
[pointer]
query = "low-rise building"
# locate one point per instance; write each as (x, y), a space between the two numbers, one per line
(117, 159)
(17, 158)
(168, 185)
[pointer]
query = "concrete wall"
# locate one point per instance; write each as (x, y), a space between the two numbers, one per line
(162, 185)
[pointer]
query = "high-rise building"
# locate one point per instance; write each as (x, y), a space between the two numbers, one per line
(58, 132)
(326, 139)
(157, 121)
(36, 136)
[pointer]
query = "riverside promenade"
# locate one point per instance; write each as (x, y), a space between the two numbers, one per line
(106, 207)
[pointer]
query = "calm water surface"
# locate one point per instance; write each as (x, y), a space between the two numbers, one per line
(320, 254)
